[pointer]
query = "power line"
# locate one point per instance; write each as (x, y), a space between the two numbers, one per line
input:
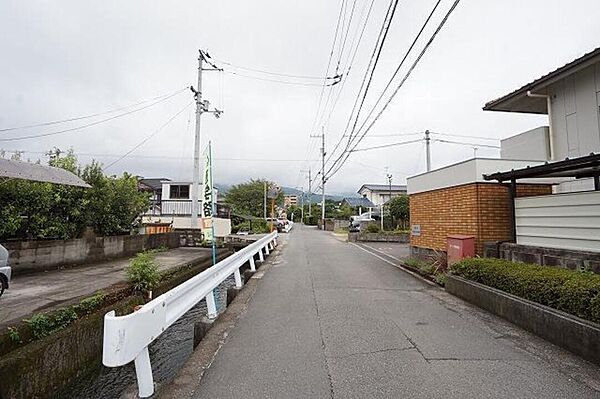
(281, 81)
(287, 75)
(92, 123)
(378, 45)
(414, 42)
(386, 145)
(469, 144)
(413, 66)
(149, 136)
(465, 136)
(86, 116)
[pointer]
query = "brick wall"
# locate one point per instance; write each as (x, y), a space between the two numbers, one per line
(478, 209)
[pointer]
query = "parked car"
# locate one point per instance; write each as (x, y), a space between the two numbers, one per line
(5, 270)
(363, 217)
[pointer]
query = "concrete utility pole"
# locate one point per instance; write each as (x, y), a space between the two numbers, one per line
(265, 200)
(196, 172)
(323, 180)
(309, 189)
(389, 178)
(201, 107)
(428, 149)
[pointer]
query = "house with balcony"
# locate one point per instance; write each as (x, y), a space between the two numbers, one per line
(379, 194)
(172, 204)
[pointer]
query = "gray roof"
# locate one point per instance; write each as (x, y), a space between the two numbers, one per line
(518, 101)
(154, 182)
(35, 172)
(358, 201)
(383, 187)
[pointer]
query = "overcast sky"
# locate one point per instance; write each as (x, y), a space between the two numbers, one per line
(71, 58)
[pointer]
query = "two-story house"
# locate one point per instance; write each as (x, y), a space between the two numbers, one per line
(379, 194)
(570, 96)
(173, 204)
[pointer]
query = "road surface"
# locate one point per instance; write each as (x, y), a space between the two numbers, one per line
(335, 319)
(48, 290)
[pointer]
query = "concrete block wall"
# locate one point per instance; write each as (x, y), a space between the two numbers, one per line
(42, 255)
(478, 209)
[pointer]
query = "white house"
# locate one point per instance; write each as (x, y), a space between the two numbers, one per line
(570, 96)
(381, 193)
(174, 205)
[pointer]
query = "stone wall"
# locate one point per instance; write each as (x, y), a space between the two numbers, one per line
(553, 257)
(43, 255)
(478, 209)
(378, 237)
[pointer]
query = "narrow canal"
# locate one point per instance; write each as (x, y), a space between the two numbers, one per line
(167, 355)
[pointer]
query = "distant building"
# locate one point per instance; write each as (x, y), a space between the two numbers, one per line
(381, 193)
(289, 200)
(361, 202)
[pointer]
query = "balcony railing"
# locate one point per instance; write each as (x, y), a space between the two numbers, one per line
(181, 207)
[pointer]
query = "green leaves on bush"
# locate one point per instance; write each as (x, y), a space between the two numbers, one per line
(142, 272)
(372, 228)
(574, 292)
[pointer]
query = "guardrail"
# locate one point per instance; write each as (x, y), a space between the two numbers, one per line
(126, 338)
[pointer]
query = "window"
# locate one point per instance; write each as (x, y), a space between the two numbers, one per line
(180, 191)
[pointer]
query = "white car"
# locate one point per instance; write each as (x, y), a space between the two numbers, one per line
(5, 270)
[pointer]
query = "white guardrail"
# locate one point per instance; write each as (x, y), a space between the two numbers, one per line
(126, 338)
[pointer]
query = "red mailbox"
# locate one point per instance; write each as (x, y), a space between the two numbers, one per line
(460, 247)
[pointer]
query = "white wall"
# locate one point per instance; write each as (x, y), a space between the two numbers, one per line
(568, 221)
(575, 113)
(470, 171)
(532, 144)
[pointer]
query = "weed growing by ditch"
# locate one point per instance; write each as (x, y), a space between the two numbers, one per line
(142, 272)
(14, 335)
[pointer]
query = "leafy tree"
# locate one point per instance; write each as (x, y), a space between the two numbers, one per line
(400, 209)
(42, 210)
(248, 198)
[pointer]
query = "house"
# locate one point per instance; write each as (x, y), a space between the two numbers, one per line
(533, 204)
(379, 194)
(358, 203)
(173, 204)
(570, 96)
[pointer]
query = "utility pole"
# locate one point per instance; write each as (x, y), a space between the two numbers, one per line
(265, 200)
(309, 189)
(201, 107)
(323, 180)
(475, 152)
(428, 149)
(389, 178)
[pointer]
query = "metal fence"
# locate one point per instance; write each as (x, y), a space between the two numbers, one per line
(126, 338)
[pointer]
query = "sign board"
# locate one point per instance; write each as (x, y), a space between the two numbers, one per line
(208, 197)
(415, 230)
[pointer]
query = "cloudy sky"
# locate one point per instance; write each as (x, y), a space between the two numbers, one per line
(67, 59)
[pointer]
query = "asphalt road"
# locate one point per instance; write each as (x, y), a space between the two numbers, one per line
(333, 319)
(45, 291)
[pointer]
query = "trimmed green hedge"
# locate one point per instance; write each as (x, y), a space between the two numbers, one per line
(574, 292)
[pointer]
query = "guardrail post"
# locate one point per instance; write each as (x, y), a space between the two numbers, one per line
(252, 265)
(267, 249)
(238, 278)
(143, 372)
(260, 255)
(275, 241)
(211, 306)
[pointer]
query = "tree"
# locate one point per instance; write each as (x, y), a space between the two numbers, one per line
(248, 198)
(42, 210)
(400, 209)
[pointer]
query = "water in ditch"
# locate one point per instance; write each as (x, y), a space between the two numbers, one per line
(167, 355)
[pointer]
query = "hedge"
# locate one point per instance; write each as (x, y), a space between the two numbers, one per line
(574, 292)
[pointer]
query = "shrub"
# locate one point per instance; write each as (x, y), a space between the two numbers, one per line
(142, 272)
(574, 292)
(372, 228)
(311, 220)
